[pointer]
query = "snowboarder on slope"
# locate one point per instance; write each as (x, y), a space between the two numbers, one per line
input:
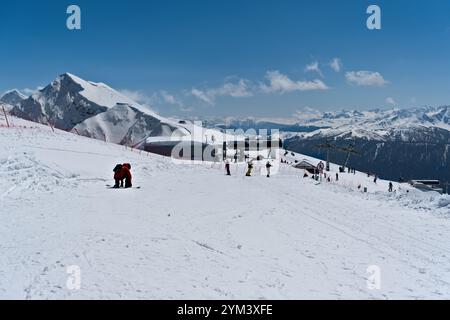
(268, 166)
(227, 167)
(391, 187)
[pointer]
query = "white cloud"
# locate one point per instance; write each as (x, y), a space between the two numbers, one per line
(29, 92)
(241, 89)
(202, 96)
(336, 64)
(138, 96)
(366, 78)
(236, 90)
(158, 98)
(391, 101)
(307, 113)
(170, 99)
(280, 83)
(313, 67)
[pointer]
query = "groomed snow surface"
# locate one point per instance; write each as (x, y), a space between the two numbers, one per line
(191, 232)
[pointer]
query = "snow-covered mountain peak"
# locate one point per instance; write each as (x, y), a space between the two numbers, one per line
(69, 100)
(93, 109)
(13, 97)
(99, 93)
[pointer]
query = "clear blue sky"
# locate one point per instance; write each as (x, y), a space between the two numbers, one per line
(236, 57)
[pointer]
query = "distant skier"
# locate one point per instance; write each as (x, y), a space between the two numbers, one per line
(391, 187)
(249, 169)
(227, 167)
(375, 179)
(118, 177)
(235, 157)
(337, 176)
(320, 168)
(268, 166)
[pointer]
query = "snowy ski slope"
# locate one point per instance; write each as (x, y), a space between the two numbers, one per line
(191, 232)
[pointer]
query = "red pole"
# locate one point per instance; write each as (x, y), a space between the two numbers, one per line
(6, 117)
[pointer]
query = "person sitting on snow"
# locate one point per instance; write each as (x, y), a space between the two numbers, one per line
(118, 178)
(126, 175)
(122, 172)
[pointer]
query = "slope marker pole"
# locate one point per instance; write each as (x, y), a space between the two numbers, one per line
(6, 117)
(48, 121)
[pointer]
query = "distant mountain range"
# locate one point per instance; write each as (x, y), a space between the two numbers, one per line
(374, 124)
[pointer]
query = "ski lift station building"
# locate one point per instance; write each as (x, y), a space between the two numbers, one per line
(305, 165)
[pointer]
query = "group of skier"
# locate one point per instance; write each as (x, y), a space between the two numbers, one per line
(123, 177)
(319, 174)
(122, 173)
(250, 167)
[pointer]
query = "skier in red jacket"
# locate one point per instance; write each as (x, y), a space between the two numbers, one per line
(126, 174)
